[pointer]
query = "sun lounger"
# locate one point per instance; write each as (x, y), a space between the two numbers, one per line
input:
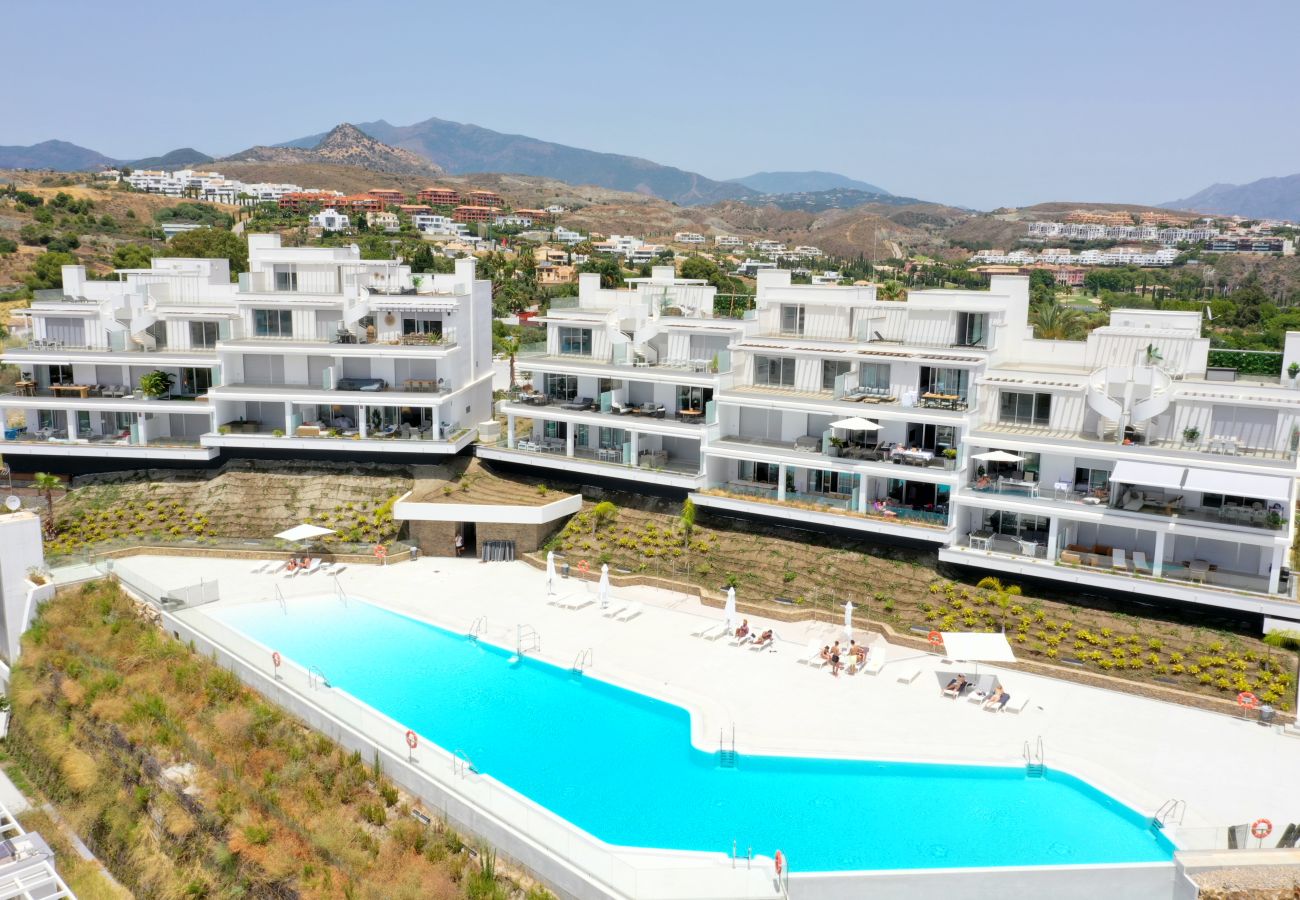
(633, 610)
(908, 676)
(812, 654)
(738, 641)
(706, 631)
(758, 644)
(313, 565)
(1016, 704)
(556, 599)
(956, 690)
(876, 657)
(612, 611)
(289, 573)
(338, 570)
(1140, 564)
(1117, 560)
(259, 569)
(575, 601)
(718, 633)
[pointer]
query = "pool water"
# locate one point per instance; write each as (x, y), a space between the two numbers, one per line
(620, 765)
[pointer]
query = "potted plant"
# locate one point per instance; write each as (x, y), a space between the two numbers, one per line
(836, 445)
(278, 432)
(950, 457)
(1293, 370)
(1191, 434)
(156, 384)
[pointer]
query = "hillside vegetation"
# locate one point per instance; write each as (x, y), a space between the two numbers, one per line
(187, 784)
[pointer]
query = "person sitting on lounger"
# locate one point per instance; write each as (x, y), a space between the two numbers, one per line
(291, 565)
(998, 697)
(957, 685)
(743, 630)
(859, 652)
(983, 484)
(826, 653)
(765, 636)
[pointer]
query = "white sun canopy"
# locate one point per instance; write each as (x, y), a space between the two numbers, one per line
(977, 646)
(1241, 484)
(856, 423)
(998, 456)
(303, 532)
(1149, 474)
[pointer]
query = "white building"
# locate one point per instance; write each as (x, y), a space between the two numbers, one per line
(622, 244)
(514, 221)
(688, 237)
(728, 240)
(625, 382)
(566, 236)
(430, 223)
(387, 221)
(314, 349)
(1119, 463)
(330, 219)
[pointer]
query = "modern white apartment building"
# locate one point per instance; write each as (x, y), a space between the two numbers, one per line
(330, 219)
(688, 237)
(728, 240)
(625, 385)
(1120, 463)
(313, 350)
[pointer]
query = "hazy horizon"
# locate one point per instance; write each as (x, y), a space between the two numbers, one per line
(1112, 103)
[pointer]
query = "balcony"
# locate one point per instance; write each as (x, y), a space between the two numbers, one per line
(653, 466)
(1217, 447)
(539, 405)
(807, 452)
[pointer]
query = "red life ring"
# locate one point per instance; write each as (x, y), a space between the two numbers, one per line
(380, 551)
(275, 659)
(583, 567)
(1247, 700)
(1261, 828)
(935, 639)
(411, 739)
(780, 862)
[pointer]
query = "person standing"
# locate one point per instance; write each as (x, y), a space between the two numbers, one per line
(460, 543)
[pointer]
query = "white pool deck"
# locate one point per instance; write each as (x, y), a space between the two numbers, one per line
(1143, 752)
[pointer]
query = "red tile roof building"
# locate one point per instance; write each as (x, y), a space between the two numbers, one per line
(439, 196)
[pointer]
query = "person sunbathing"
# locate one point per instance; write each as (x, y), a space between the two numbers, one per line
(998, 698)
(765, 636)
(291, 565)
(743, 630)
(859, 652)
(957, 685)
(826, 653)
(983, 484)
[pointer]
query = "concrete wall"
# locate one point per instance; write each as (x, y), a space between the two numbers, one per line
(20, 550)
(1153, 881)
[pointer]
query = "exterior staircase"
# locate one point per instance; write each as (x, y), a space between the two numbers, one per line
(1145, 393)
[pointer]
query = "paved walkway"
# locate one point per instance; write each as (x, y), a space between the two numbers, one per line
(1142, 751)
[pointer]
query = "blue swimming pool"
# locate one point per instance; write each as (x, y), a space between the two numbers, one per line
(620, 765)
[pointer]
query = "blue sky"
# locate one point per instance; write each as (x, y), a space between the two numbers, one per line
(976, 104)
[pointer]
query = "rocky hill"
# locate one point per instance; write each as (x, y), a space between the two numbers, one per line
(345, 145)
(1267, 198)
(805, 182)
(60, 156)
(176, 159)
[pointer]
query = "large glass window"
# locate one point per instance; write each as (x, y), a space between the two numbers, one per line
(972, 329)
(560, 387)
(1015, 408)
(60, 374)
(273, 323)
(832, 369)
(204, 335)
(775, 371)
(286, 278)
(944, 381)
(195, 380)
(689, 397)
(1090, 479)
(1021, 525)
(827, 482)
(415, 325)
(761, 472)
(575, 341)
(792, 318)
(874, 376)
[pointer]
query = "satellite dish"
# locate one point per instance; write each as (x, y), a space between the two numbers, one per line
(13, 502)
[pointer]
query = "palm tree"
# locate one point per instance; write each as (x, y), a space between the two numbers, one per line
(46, 483)
(1054, 322)
(1287, 639)
(1000, 595)
(510, 347)
(893, 290)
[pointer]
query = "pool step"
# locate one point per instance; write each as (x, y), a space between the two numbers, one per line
(1035, 770)
(727, 759)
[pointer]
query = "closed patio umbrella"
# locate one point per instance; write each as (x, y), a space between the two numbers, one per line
(729, 611)
(848, 620)
(602, 589)
(550, 571)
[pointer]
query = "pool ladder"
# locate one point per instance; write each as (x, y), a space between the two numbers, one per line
(527, 640)
(582, 661)
(338, 590)
(1034, 762)
(1170, 812)
(461, 764)
(727, 755)
(279, 596)
(316, 678)
(477, 628)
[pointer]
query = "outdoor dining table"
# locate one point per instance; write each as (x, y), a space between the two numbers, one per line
(81, 390)
(1030, 487)
(25, 388)
(914, 456)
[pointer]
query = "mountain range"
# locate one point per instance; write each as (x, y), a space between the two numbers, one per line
(1267, 198)
(805, 183)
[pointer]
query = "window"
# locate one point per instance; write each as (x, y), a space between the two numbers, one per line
(693, 397)
(560, 387)
(792, 318)
(422, 326)
(832, 369)
(273, 323)
(1025, 409)
(60, 374)
(826, 482)
(776, 371)
(1027, 527)
(195, 380)
(286, 278)
(931, 437)
(204, 335)
(1226, 501)
(555, 430)
(1089, 479)
(945, 381)
(874, 376)
(761, 472)
(575, 341)
(972, 329)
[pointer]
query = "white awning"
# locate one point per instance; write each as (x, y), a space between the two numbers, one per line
(1149, 474)
(856, 423)
(978, 646)
(998, 456)
(1241, 484)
